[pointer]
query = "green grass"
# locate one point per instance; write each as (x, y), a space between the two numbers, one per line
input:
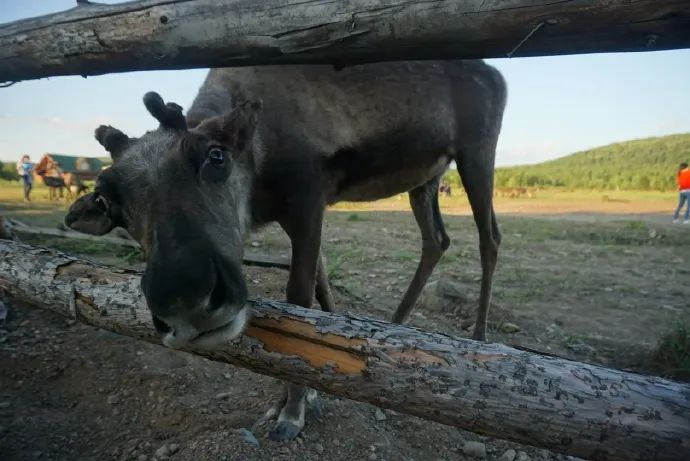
(337, 258)
(672, 357)
(405, 256)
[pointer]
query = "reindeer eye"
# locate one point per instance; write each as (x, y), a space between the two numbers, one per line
(216, 156)
(102, 204)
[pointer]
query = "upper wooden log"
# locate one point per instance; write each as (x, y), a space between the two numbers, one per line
(575, 408)
(94, 39)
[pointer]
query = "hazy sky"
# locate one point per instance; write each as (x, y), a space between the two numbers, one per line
(556, 105)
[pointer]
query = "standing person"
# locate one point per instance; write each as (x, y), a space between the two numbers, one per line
(25, 170)
(683, 193)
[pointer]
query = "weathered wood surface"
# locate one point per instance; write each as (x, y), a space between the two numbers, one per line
(12, 227)
(570, 407)
(51, 232)
(6, 229)
(173, 34)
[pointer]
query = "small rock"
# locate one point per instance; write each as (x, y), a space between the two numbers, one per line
(474, 449)
(372, 457)
(256, 244)
(319, 448)
(4, 405)
(248, 436)
(510, 328)
(227, 376)
(173, 448)
(582, 348)
(163, 451)
(223, 395)
(509, 455)
(336, 442)
(444, 296)
(522, 456)
(113, 399)
(379, 415)
(142, 458)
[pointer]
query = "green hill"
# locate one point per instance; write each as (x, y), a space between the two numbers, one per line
(644, 164)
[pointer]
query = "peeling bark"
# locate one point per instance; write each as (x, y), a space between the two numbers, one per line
(570, 407)
(93, 39)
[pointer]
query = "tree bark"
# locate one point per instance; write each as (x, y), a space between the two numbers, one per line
(574, 408)
(94, 39)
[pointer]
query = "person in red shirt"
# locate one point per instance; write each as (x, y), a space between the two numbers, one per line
(683, 193)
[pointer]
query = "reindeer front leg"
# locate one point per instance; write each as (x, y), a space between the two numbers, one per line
(304, 230)
(323, 287)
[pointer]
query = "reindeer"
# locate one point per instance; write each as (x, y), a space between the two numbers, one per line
(298, 139)
(75, 186)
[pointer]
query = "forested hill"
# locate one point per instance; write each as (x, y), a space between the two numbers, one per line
(644, 164)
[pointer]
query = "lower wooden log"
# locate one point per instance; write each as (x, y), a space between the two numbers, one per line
(569, 407)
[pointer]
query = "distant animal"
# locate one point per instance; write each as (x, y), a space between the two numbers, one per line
(57, 181)
(75, 186)
(514, 192)
(55, 184)
(278, 144)
(445, 189)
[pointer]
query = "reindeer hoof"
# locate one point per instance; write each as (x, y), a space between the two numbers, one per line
(284, 430)
(479, 336)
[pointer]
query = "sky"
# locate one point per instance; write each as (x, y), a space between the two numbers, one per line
(556, 105)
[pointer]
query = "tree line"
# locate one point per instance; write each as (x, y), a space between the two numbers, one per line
(645, 164)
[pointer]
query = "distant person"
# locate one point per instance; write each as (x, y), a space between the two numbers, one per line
(683, 193)
(445, 188)
(25, 172)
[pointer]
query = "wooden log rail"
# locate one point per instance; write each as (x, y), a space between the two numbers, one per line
(10, 228)
(574, 408)
(93, 39)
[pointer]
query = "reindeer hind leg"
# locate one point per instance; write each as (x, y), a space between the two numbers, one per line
(424, 203)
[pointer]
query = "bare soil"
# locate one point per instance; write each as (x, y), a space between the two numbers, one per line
(592, 287)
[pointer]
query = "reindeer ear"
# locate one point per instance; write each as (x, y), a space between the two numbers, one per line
(169, 115)
(235, 129)
(114, 140)
(89, 214)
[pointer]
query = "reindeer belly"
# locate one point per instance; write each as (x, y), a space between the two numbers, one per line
(390, 181)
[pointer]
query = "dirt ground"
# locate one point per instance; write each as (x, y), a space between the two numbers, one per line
(593, 287)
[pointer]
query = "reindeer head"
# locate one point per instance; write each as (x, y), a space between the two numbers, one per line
(183, 195)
